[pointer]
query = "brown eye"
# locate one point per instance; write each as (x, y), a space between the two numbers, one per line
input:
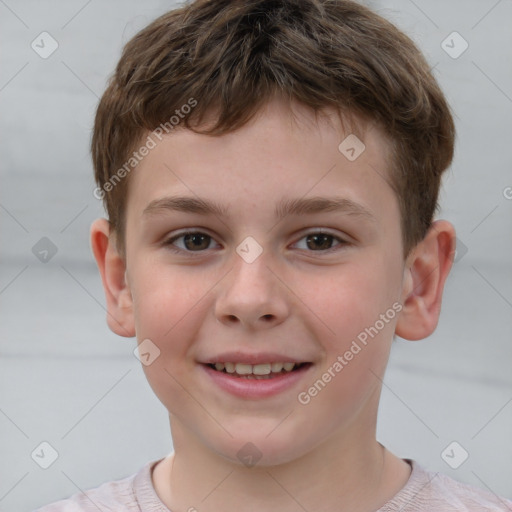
(193, 241)
(321, 242)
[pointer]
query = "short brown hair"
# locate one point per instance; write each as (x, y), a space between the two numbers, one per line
(231, 57)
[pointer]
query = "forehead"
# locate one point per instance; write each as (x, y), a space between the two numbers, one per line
(285, 152)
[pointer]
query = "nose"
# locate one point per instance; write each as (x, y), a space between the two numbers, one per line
(252, 295)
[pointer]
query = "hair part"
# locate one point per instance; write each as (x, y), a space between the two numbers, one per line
(233, 57)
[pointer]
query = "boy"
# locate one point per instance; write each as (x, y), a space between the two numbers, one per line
(305, 142)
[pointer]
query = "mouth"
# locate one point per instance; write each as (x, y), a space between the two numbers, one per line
(262, 371)
(255, 381)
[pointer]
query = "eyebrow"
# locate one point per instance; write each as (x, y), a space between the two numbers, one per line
(299, 206)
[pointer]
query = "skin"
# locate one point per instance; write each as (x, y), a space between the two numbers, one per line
(296, 298)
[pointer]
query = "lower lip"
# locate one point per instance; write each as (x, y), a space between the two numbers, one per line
(256, 388)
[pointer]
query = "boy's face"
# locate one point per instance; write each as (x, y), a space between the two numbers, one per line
(305, 298)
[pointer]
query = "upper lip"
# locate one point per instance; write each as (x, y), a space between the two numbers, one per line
(247, 358)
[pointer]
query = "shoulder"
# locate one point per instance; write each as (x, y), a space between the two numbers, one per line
(426, 491)
(467, 497)
(118, 495)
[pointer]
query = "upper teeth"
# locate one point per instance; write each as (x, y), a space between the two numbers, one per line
(256, 369)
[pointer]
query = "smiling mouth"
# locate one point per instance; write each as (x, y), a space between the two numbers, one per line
(257, 371)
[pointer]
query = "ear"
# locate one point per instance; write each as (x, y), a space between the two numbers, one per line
(426, 270)
(112, 268)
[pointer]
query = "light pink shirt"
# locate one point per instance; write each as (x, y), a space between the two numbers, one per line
(424, 492)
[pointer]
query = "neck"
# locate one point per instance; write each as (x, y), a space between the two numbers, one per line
(350, 471)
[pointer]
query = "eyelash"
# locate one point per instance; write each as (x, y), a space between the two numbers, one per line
(169, 242)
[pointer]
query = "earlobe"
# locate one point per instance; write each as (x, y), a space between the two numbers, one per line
(426, 271)
(112, 268)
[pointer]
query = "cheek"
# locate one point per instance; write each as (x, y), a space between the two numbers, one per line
(350, 376)
(168, 307)
(164, 299)
(359, 309)
(351, 299)
(166, 312)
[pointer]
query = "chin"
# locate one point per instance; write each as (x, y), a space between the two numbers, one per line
(260, 451)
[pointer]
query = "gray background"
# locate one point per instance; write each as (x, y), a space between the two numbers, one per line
(67, 380)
